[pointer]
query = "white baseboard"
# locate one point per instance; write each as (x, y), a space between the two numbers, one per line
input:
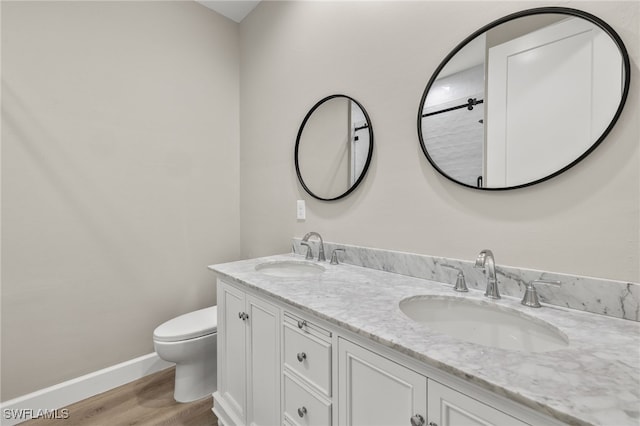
(58, 396)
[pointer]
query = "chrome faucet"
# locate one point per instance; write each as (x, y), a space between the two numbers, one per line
(486, 261)
(321, 256)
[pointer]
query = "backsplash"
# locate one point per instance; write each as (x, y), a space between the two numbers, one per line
(613, 298)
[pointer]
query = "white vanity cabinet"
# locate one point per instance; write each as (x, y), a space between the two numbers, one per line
(249, 373)
(279, 367)
(376, 391)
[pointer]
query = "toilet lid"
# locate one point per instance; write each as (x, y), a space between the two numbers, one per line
(188, 326)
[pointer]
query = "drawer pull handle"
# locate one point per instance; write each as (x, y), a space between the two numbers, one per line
(302, 411)
(302, 324)
(243, 316)
(301, 356)
(417, 420)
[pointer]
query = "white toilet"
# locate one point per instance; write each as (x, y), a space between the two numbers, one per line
(190, 341)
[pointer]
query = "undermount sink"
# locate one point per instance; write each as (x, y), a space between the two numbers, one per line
(290, 268)
(484, 323)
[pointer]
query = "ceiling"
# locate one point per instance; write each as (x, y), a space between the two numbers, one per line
(232, 9)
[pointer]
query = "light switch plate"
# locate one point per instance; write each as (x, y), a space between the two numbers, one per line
(301, 210)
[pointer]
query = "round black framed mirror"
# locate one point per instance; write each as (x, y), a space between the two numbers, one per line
(524, 98)
(334, 147)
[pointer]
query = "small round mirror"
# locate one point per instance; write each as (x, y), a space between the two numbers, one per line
(333, 148)
(524, 98)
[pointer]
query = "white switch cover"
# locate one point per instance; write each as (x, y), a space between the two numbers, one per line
(301, 211)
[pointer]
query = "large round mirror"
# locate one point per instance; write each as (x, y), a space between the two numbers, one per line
(524, 98)
(333, 148)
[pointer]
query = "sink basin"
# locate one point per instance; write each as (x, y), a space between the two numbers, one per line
(484, 323)
(290, 268)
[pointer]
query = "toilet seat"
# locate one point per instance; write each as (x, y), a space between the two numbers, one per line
(188, 326)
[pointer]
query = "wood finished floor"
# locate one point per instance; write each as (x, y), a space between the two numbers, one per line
(148, 401)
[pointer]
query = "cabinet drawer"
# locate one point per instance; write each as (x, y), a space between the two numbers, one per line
(303, 408)
(308, 356)
(307, 327)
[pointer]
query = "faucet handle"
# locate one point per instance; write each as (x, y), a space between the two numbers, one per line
(531, 294)
(461, 284)
(334, 256)
(309, 255)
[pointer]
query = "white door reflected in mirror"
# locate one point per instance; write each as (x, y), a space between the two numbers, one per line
(559, 83)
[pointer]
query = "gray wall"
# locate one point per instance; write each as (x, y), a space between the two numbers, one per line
(585, 221)
(120, 178)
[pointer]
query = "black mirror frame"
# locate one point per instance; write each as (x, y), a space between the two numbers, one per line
(528, 12)
(369, 154)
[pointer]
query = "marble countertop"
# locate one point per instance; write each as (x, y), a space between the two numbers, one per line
(596, 380)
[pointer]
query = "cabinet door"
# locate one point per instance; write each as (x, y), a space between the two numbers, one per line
(231, 349)
(263, 362)
(376, 391)
(448, 407)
